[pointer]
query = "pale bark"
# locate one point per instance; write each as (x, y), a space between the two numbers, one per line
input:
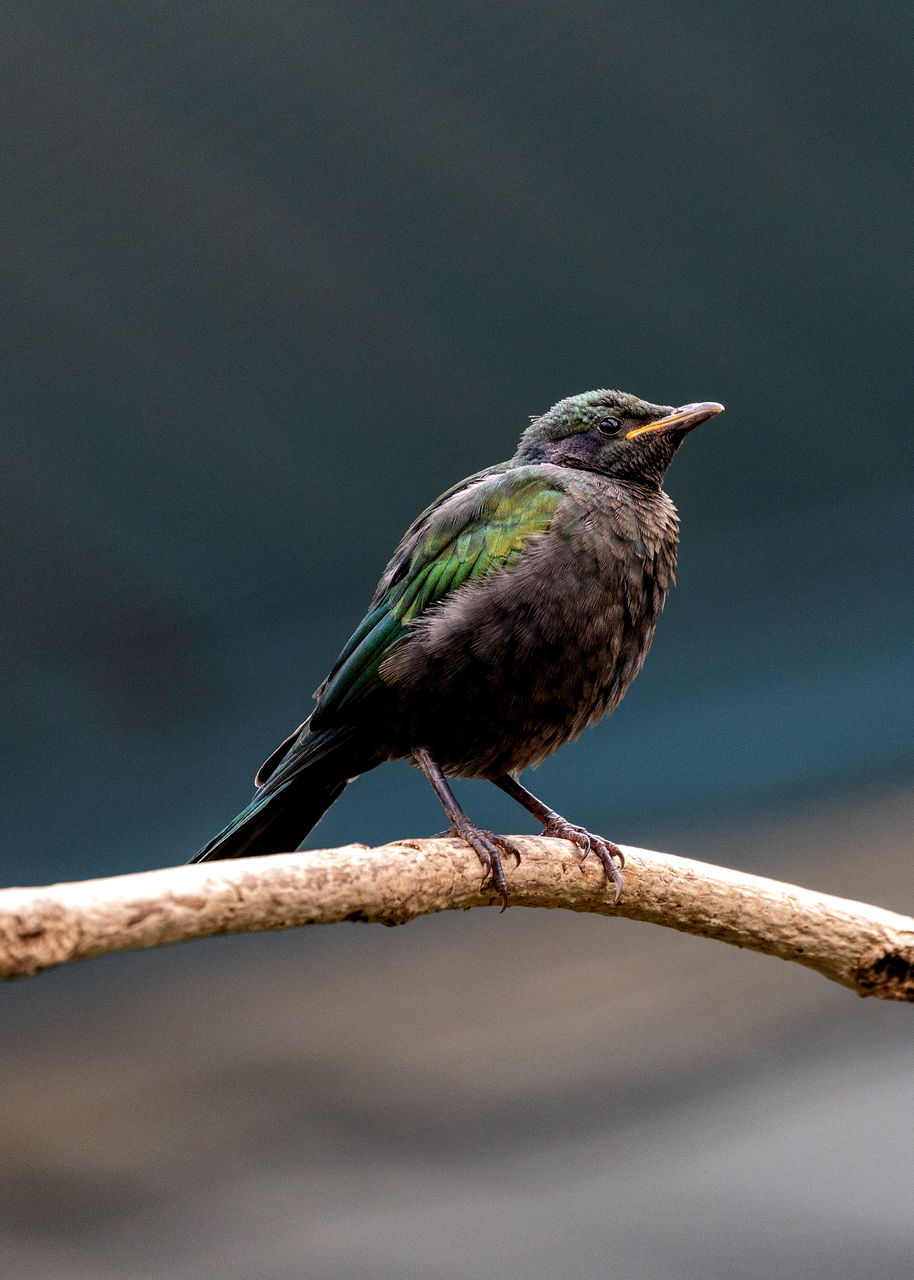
(863, 947)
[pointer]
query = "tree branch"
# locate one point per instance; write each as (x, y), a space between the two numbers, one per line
(863, 947)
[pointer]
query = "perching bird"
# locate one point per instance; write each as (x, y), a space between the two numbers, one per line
(516, 611)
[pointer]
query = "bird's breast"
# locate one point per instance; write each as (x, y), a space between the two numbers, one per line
(507, 669)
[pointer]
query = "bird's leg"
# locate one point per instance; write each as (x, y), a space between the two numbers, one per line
(485, 844)
(555, 825)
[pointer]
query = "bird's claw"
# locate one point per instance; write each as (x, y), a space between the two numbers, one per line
(486, 844)
(607, 852)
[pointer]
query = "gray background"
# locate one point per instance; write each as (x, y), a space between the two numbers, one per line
(274, 275)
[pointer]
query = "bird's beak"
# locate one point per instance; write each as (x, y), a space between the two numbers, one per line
(682, 419)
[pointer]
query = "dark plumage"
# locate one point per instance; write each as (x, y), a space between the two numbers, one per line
(516, 611)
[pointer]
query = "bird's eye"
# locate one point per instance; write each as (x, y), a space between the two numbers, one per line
(609, 426)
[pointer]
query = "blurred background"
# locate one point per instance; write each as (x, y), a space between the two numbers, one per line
(272, 277)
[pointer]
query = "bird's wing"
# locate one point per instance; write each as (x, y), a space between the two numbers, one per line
(468, 534)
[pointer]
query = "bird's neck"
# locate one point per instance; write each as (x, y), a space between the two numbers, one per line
(642, 516)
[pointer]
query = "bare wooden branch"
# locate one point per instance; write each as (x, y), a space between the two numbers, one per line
(863, 947)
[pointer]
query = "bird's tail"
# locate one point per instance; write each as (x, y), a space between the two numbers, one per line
(294, 797)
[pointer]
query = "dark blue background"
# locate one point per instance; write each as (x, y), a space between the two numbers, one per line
(274, 278)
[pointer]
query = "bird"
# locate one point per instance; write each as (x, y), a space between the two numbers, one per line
(515, 612)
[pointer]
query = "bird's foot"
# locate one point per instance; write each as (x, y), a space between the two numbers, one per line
(605, 850)
(486, 846)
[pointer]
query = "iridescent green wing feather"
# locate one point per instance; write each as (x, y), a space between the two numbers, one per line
(468, 534)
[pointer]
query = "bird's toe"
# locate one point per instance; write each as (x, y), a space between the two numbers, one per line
(506, 846)
(607, 852)
(486, 845)
(563, 830)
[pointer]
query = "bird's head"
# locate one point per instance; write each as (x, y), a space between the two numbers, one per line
(612, 433)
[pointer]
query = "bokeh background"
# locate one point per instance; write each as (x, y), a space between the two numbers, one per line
(272, 276)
